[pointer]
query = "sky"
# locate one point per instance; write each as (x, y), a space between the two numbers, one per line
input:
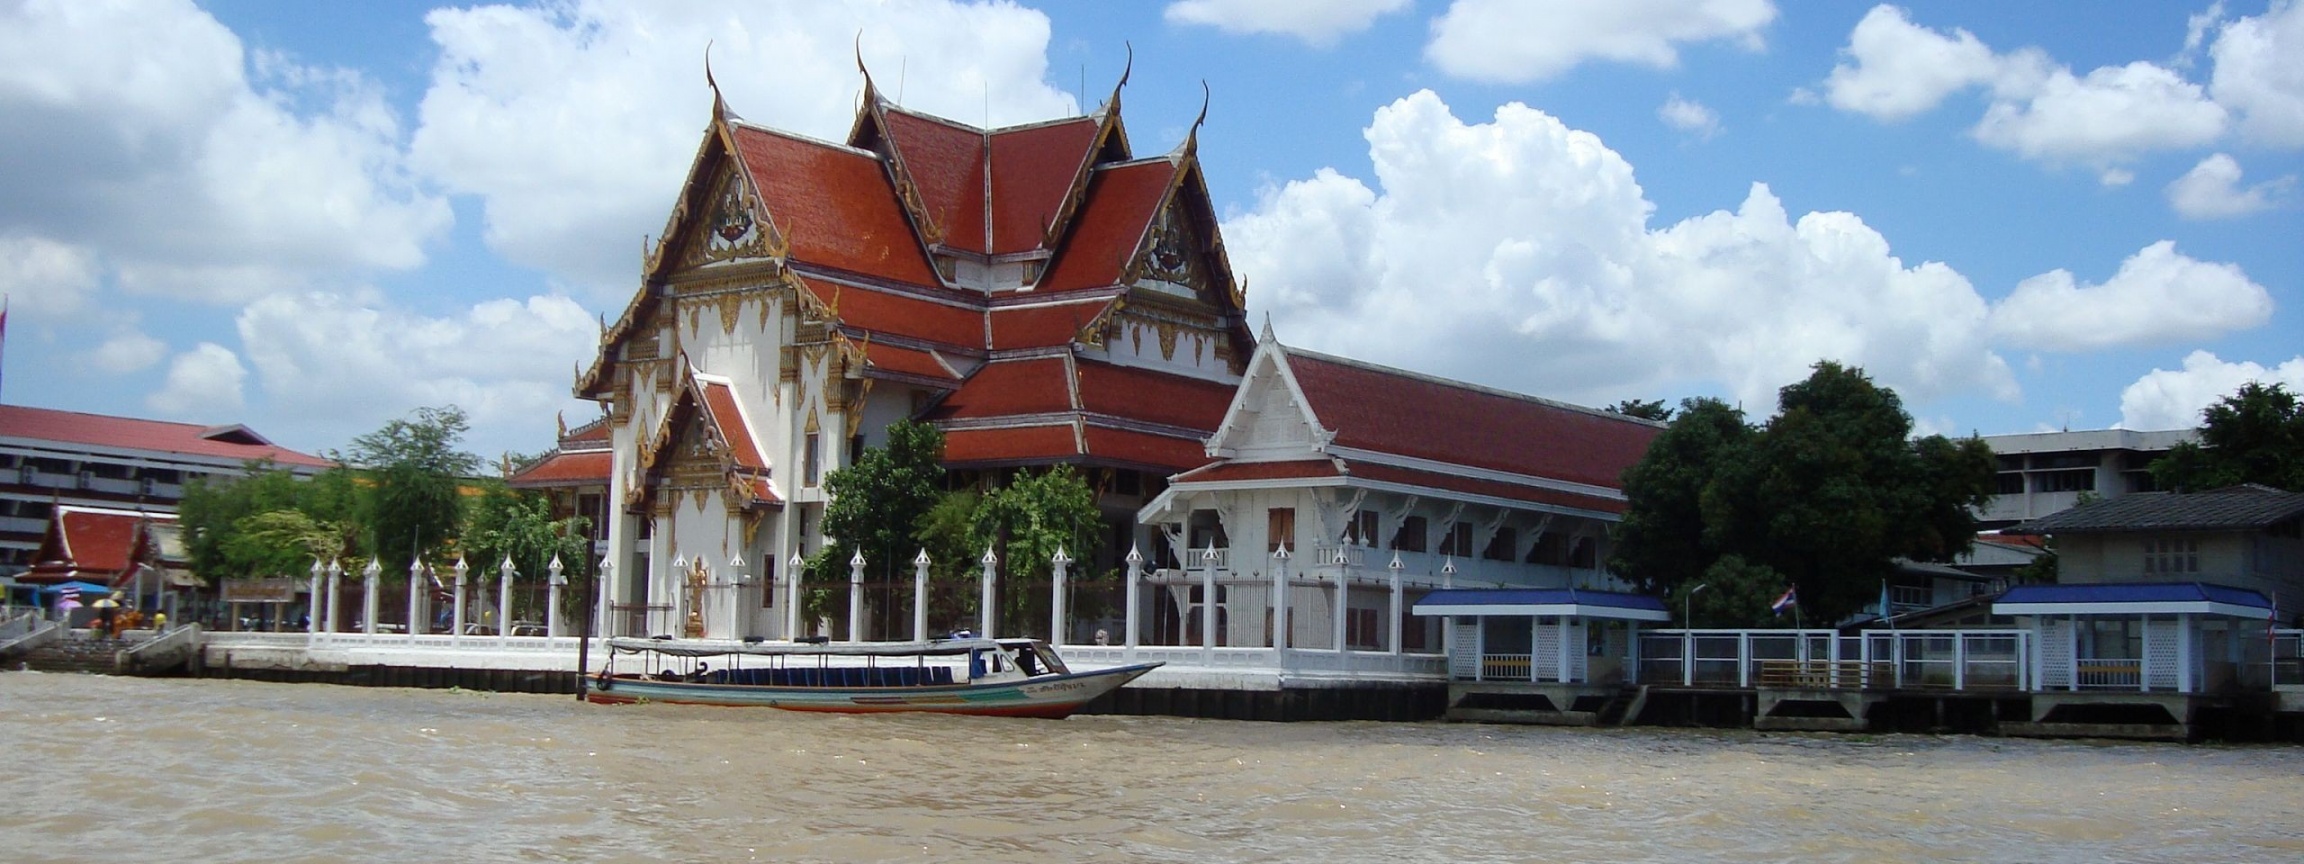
(314, 218)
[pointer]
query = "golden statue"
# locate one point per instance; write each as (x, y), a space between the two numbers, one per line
(695, 629)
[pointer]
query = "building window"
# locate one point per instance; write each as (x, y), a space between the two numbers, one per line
(809, 461)
(2171, 555)
(1458, 540)
(855, 449)
(1361, 531)
(1551, 548)
(87, 478)
(2008, 484)
(768, 582)
(1412, 535)
(1279, 528)
(2082, 480)
(1501, 548)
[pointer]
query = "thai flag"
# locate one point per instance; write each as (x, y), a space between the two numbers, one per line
(1790, 597)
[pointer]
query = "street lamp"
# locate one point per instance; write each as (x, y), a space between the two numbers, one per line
(1688, 605)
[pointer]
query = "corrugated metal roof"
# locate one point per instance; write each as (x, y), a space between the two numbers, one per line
(2234, 507)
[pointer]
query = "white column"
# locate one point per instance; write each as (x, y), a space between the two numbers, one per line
(2184, 653)
(1397, 597)
(1343, 605)
(552, 599)
(1208, 596)
(335, 590)
(792, 574)
(504, 574)
(311, 619)
(601, 582)
(415, 607)
(1057, 566)
(2144, 663)
(856, 596)
(456, 620)
(736, 580)
(920, 564)
(986, 594)
(368, 596)
(1135, 577)
(1280, 598)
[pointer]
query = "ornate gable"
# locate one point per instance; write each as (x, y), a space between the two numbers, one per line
(703, 444)
(1269, 418)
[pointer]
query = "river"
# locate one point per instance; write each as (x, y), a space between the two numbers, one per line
(104, 769)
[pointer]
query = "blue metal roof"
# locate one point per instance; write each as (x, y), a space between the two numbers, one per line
(2135, 592)
(1540, 597)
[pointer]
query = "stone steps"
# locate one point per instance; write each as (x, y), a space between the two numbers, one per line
(77, 655)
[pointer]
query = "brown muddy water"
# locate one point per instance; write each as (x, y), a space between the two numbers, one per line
(109, 769)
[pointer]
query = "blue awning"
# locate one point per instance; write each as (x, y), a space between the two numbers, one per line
(2134, 598)
(83, 588)
(1542, 601)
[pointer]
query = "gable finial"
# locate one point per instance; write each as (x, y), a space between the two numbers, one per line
(867, 73)
(1267, 336)
(1192, 138)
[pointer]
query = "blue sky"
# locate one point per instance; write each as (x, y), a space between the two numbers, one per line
(312, 218)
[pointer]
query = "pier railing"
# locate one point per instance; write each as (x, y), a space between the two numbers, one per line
(1824, 659)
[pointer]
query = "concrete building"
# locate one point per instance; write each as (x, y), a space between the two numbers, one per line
(51, 459)
(2044, 472)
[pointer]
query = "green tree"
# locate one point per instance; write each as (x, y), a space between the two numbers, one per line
(876, 506)
(2255, 435)
(1645, 409)
(1024, 523)
(1828, 494)
(518, 524)
(412, 500)
(281, 542)
(1731, 593)
(1655, 545)
(225, 538)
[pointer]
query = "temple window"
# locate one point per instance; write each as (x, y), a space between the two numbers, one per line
(1412, 535)
(1279, 528)
(812, 462)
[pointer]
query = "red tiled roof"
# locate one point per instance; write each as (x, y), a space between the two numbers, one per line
(1389, 411)
(764, 492)
(1122, 199)
(1155, 397)
(947, 167)
(1491, 488)
(1294, 470)
(1025, 445)
(719, 400)
(98, 430)
(596, 430)
(579, 468)
(1042, 326)
(906, 361)
(1032, 171)
(890, 312)
(1035, 386)
(91, 544)
(834, 204)
(1141, 448)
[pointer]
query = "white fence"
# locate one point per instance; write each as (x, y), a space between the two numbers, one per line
(1823, 659)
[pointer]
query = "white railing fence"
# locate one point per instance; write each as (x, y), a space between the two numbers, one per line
(1912, 659)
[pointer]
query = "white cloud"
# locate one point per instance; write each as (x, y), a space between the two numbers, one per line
(2211, 190)
(43, 276)
(1517, 253)
(1690, 116)
(2039, 109)
(2174, 398)
(2112, 115)
(1518, 41)
(1318, 22)
(1901, 69)
(2159, 296)
(189, 169)
(350, 363)
(203, 385)
(2258, 75)
(129, 350)
(575, 123)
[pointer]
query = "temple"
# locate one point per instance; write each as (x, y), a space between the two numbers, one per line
(1040, 292)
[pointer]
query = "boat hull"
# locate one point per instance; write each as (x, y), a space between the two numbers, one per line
(1046, 696)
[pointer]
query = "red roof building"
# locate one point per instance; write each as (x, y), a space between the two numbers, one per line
(1041, 292)
(51, 459)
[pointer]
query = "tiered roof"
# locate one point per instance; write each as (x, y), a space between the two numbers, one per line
(582, 459)
(860, 224)
(92, 544)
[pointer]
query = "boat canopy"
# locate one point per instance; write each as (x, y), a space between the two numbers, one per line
(724, 647)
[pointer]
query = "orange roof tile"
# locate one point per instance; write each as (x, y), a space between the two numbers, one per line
(1014, 446)
(1129, 447)
(881, 311)
(1032, 171)
(562, 468)
(1122, 201)
(1010, 387)
(946, 162)
(1153, 396)
(906, 361)
(834, 204)
(720, 406)
(1492, 488)
(1391, 411)
(1042, 326)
